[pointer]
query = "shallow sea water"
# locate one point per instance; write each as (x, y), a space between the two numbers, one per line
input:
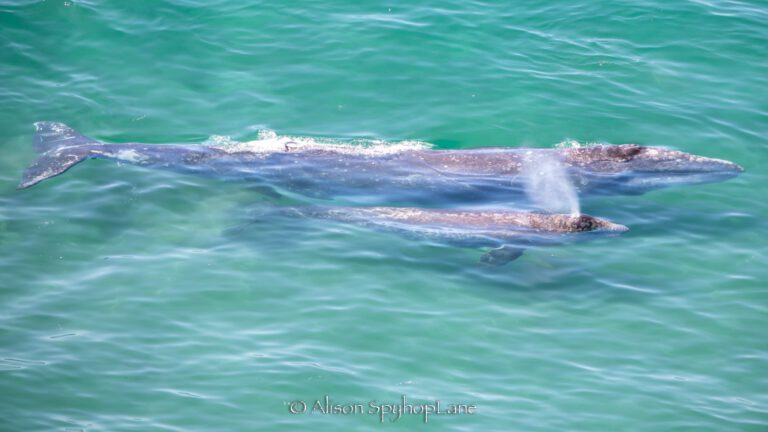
(132, 299)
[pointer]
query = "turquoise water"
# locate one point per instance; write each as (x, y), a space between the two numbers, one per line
(128, 302)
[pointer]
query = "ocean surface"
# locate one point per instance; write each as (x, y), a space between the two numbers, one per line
(140, 300)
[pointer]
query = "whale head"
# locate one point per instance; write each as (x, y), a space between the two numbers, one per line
(637, 169)
(575, 223)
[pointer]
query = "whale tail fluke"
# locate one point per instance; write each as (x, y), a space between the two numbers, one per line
(60, 148)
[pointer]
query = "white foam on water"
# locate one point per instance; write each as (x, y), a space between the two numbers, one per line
(569, 143)
(547, 184)
(270, 142)
(572, 143)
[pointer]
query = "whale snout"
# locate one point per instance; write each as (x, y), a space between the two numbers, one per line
(587, 223)
(704, 165)
(616, 228)
(651, 159)
(655, 167)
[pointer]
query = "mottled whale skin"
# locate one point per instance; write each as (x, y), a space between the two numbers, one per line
(488, 174)
(509, 232)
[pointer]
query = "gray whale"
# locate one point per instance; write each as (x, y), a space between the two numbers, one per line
(508, 232)
(486, 174)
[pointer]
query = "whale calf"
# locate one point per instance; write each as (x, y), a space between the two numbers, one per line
(508, 232)
(382, 175)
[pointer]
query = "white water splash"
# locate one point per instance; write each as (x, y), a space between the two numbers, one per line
(547, 184)
(570, 143)
(270, 142)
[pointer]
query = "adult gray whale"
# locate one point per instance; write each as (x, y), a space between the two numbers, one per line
(386, 175)
(509, 232)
